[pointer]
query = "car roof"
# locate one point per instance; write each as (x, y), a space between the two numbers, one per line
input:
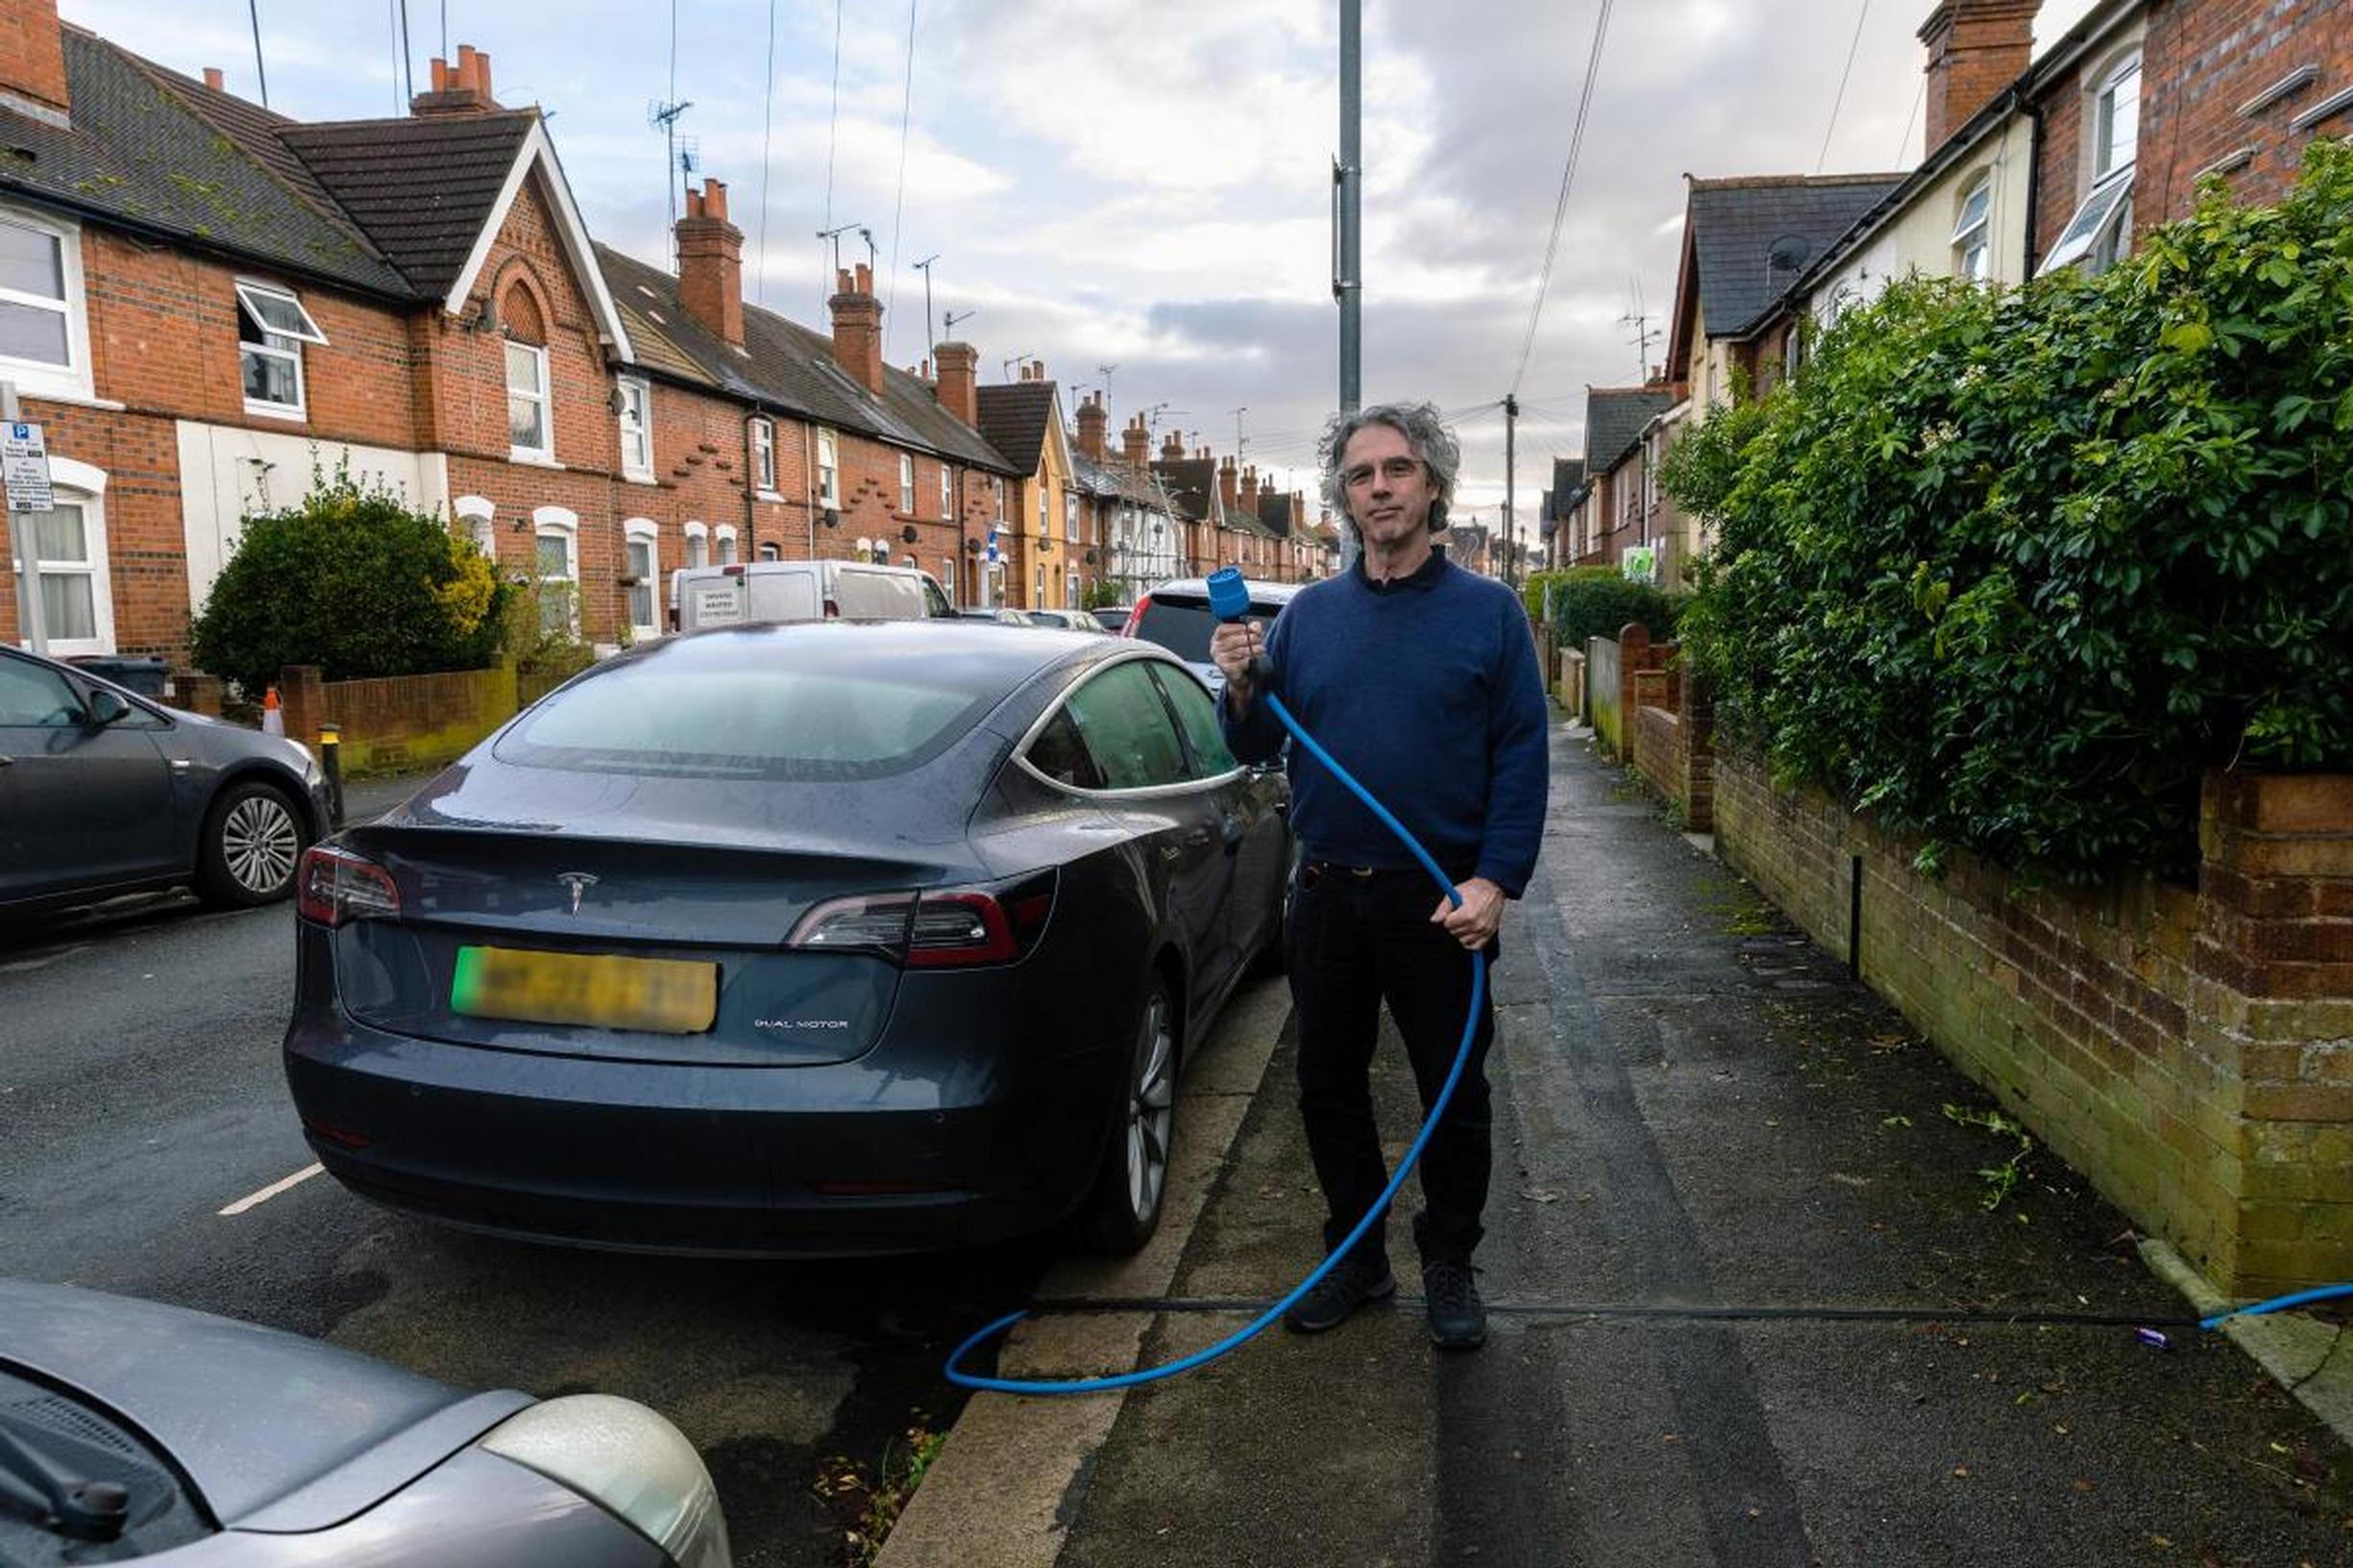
(1271, 593)
(853, 645)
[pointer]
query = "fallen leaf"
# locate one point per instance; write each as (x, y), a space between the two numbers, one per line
(2083, 1486)
(1961, 1470)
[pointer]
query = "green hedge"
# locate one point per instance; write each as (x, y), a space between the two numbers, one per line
(353, 582)
(1599, 601)
(2014, 568)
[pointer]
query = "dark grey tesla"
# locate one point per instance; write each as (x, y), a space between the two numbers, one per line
(103, 793)
(809, 938)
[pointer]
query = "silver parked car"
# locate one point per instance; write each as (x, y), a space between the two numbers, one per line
(132, 1431)
(103, 791)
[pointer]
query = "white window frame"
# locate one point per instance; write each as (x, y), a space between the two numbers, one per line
(79, 484)
(2091, 232)
(2104, 162)
(948, 496)
(39, 377)
(477, 513)
(998, 485)
(828, 470)
(635, 531)
(559, 522)
(635, 420)
(544, 451)
(284, 347)
(1046, 526)
(1973, 241)
(723, 549)
(764, 457)
(906, 483)
(1069, 517)
(697, 545)
(768, 551)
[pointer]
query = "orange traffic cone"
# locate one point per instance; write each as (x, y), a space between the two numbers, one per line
(273, 722)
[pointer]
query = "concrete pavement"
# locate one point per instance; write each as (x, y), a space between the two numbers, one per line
(1768, 1289)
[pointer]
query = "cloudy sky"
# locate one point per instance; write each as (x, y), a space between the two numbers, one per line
(1148, 185)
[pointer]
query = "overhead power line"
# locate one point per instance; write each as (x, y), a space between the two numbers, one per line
(898, 203)
(1840, 97)
(1568, 178)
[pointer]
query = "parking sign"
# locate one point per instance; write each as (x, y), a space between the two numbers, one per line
(24, 461)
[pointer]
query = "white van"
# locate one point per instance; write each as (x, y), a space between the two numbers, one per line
(764, 591)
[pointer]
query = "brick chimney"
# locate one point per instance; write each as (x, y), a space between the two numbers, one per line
(1136, 444)
(1225, 483)
(1091, 415)
(857, 326)
(1975, 49)
(1250, 489)
(33, 61)
(1172, 449)
(959, 366)
(215, 80)
(711, 264)
(462, 89)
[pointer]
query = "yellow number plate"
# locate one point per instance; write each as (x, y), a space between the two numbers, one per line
(661, 995)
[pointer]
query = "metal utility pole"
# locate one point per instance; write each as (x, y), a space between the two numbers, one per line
(1347, 195)
(923, 266)
(26, 542)
(1239, 443)
(1512, 554)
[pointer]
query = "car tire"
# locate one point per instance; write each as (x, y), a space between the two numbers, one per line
(252, 840)
(1132, 1185)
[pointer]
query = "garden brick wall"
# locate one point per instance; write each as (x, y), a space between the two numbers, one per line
(402, 722)
(2190, 1050)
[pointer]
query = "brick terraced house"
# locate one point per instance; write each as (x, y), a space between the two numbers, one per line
(208, 306)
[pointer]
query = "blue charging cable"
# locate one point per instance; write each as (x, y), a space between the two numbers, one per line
(1230, 601)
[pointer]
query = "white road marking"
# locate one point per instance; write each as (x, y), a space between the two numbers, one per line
(272, 1190)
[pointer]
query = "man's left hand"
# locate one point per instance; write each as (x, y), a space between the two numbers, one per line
(1475, 921)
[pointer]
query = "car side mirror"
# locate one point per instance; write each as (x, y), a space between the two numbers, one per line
(104, 708)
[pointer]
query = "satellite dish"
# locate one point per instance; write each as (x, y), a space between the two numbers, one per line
(1789, 254)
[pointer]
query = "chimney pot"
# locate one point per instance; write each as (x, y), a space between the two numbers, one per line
(458, 87)
(959, 378)
(711, 264)
(212, 78)
(866, 279)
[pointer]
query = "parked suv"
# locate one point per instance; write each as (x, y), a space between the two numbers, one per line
(1176, 615)
(768, 591)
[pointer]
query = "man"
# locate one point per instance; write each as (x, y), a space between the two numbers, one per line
(1420, 678)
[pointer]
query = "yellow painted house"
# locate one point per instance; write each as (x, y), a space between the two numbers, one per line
(1041, 547)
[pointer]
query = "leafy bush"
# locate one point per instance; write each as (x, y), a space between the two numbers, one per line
(353, 582)
(2013, 568)
(1599, 601)
(1535, 590)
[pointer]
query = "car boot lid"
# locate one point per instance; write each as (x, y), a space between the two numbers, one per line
(277, 1433)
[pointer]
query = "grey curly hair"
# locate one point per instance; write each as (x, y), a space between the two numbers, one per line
(1424, 432)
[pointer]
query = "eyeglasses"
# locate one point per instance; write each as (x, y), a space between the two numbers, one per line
(1395, 470)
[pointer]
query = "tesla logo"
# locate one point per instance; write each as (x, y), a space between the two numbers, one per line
(579, 882)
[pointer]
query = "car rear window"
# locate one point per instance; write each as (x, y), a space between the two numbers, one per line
(701, 716)
(1181, 627)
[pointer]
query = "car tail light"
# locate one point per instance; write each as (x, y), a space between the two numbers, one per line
(335, 885)
(732, 570)
(949, 928)
(1135, 616)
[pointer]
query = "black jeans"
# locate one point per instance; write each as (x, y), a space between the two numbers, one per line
(1357, 941)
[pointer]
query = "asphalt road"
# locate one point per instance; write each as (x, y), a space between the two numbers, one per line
(141, 1096)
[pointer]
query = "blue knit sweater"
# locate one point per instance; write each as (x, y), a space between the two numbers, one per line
(1426, 689)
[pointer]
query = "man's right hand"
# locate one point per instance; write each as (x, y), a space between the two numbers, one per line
(1232, 647)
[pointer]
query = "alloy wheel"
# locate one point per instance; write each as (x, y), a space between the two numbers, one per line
(1151, 1109)
(259, 843)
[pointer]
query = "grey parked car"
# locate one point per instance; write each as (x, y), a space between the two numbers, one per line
(103, 791)
(134, 1430)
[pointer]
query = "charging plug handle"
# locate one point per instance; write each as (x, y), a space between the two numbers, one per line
(1229, 602)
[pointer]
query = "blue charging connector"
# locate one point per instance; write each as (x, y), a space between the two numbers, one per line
(1229, 601)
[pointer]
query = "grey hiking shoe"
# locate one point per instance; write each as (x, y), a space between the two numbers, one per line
(1450, 1293)
(1351, 1282)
